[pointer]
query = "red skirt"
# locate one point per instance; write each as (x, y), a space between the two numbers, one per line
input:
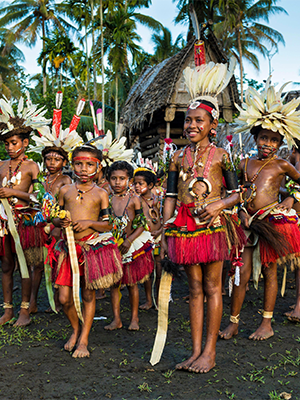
(140, 269)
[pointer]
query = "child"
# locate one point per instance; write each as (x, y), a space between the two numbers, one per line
(99, 259)
(17, 175)
(196, 236)
(144, 183)
(135, 243)
(274, 236)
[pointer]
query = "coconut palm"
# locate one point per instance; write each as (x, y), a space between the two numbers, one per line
(30, 19)
(240, 19)
(164, 46)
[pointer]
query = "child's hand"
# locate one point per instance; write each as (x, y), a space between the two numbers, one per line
(244, 217)
(156, 233)
(6, 192)
(286, 204)
(124, 246)
(81, 225)
(65, 222)
(210, 212)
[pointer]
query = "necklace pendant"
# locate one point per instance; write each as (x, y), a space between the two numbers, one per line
(184, 177)
(200, 164)
(181, 173)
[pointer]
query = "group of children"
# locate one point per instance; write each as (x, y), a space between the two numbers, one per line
(118, 228)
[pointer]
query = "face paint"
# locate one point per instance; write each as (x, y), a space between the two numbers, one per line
(267, 151)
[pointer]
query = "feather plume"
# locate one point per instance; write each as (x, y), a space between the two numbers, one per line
(194, 20)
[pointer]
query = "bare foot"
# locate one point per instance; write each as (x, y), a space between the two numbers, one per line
(115, 324)
(57, 307)
(293, 315)
(33, 308)
(262, 333)
(69, 346)
(230, 331)
(7, 316)
(187, 363)
(24, 318)
(145, 306)
(203, 364)
(134, 325)
(81, 351)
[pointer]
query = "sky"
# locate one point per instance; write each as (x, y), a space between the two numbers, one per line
(285, 64)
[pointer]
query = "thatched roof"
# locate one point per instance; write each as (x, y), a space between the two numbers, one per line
(155, 87)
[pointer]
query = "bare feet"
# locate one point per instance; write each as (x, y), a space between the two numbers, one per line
(134, 325)
(262, 333)
(115, 324)
(187, 363)
(293, 315)
(230, 331)
(33, 308)
(57, 307)
(81, 351)
(145, 306)
(24, 318)
(203, 364)
(69, 346)
(7, 316)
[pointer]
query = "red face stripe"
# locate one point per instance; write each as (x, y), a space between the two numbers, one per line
(86, 158)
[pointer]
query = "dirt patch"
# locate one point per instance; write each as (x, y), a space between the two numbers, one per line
(34, 366)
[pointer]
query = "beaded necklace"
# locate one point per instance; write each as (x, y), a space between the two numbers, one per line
(154, 215)
(13, 174)
(49, 184)
(257, 173)
(196, 162)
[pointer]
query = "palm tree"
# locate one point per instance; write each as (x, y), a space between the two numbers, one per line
(164, 46)
(30, 19)
(239, 19)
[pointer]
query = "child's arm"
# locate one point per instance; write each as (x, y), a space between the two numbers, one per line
(58, 222)
(137, 232)
(100, 226)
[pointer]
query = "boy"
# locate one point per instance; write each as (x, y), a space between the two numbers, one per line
(196, 236)
(272, 227)
(98, 255)
(129, 226)
(144, 183)
(17, 175)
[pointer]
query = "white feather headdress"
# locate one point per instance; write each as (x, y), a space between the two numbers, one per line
(112, 150)
(27, 116)
(207, 81)
(268, 110)
(65, 139)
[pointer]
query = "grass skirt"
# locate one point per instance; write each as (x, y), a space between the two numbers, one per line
(99, 262)
(141, 266)
(31, 232)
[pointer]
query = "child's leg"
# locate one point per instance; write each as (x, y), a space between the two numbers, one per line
(115, 305)
(196, 308)
(270, 288)
(238, 295)
(148, 292)
(66, 300)
(7, 264)
(224, 274)
(212, 286)
(134, 303)
(89, 307)
(294, 315)
(36, 276)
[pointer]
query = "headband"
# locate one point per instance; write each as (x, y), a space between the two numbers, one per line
(54, 154)
(142, 169)
(86, 158)
(198, 104)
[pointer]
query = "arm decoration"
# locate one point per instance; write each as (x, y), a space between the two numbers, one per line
(105, 214)
(293, 190)
(35, 181)
(231, 180)
(172, 184)
(38, 190)
(140, 220)
(57, 212)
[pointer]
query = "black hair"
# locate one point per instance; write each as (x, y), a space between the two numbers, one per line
(297, 149)
(209, 104)
(149, 176)
(88, 148)
(120, 166)
(19, 130)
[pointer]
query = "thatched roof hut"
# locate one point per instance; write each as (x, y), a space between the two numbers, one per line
(157, 101)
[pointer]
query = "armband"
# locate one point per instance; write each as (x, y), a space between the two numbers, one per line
(231, 180)
(105, 211)
(35, 181)
(172, 184)
(296, 196)
(138, 212)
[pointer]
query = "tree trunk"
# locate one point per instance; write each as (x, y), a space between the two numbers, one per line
(238, 31)
(93, 48)
(116, 108)
(87, 64)
(44, 63)
(102, 67)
